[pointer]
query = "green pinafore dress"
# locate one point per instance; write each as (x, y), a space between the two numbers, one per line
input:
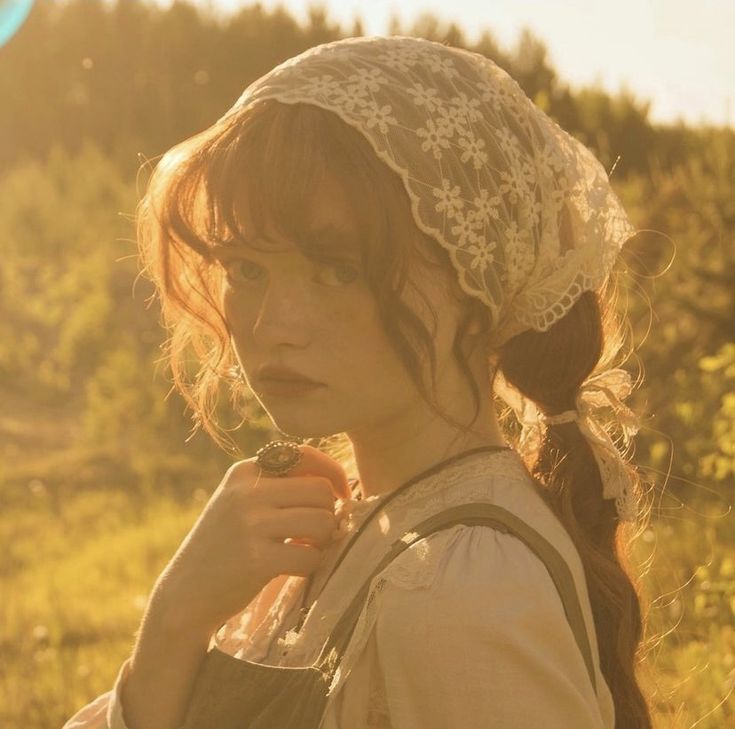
(232, 693)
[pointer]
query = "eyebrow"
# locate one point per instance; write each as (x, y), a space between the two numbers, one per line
(327, 239)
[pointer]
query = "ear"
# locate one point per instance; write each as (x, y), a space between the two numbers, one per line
(479, 320)
(475, 336)
(475, 327)
(479, 334)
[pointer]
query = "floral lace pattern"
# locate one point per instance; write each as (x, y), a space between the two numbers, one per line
(525, 211)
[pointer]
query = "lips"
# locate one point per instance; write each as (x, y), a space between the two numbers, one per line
(287, 387)
(289, 380)
(284, 375)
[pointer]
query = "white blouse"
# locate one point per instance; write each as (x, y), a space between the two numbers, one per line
(465, 628)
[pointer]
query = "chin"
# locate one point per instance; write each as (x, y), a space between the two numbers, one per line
(299, 429)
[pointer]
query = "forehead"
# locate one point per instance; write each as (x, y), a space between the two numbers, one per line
(330, 207)
(328, 222)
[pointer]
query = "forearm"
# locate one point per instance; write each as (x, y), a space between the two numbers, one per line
(163, 670)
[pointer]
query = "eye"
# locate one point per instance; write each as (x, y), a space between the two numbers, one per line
(345, 273)
(250, 270)
(331, 272)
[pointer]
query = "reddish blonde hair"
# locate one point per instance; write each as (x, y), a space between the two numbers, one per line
(193, 198)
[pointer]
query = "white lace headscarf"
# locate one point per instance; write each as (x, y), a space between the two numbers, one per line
(525, 211)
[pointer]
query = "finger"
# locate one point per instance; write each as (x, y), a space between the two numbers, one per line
(316, 463)
(286, 491)
(297, 559)
(299, 523)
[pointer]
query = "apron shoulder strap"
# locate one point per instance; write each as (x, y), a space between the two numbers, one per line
(475, 514)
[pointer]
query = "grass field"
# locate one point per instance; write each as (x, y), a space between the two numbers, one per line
(78, 564)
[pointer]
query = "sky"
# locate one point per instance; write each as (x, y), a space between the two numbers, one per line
(679, 54)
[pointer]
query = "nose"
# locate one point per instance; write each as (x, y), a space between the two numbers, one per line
(285, 314)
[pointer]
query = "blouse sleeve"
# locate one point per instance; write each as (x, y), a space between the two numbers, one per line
(482, 641)
(105, 712)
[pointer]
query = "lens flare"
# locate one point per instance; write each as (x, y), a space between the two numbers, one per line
(13, 14)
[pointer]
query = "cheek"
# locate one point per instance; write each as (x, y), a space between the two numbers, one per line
(229, 307)
(237, 316)
(239, 311)
(375, 359)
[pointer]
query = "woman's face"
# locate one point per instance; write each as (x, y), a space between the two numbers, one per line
(320, 319)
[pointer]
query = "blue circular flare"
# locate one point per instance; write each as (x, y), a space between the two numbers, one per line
(13, 14)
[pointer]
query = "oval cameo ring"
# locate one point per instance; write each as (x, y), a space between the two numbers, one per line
(278, 457)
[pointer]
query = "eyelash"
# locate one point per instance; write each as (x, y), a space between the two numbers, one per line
(332, 263)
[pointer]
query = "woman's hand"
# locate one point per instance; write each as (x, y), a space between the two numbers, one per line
(253, 528)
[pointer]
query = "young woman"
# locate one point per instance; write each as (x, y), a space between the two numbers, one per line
(378, 237)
